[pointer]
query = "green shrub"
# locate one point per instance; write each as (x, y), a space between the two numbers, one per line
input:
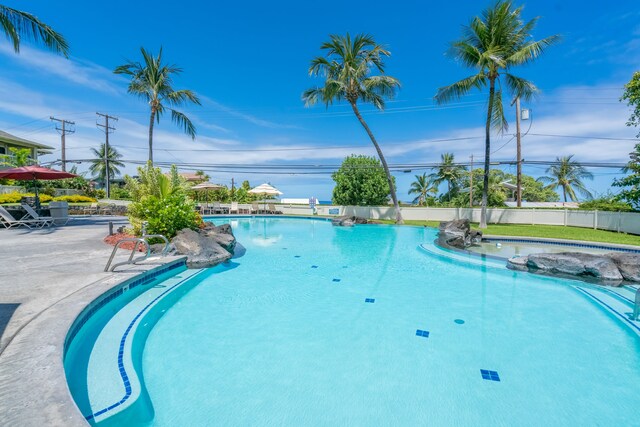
(120, 193)
(165, 216)
(606, 204)
(75, 198)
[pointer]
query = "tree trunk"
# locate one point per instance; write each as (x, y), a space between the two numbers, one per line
(151, 120)
(564, 193)
(487, 155)
(392, 187)
(449, 190)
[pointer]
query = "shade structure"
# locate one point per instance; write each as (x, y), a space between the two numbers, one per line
(33, 173)
(206, 186)
(30, 173)
(266, 189)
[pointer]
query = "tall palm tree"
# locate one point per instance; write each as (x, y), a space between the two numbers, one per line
(347, 68)
(152, 81)
(568, 175)
(422, 187)
(493, 44)
(447, 171)
(98, 169)
(18, 25)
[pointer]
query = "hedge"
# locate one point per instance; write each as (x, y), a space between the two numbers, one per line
(44, 198)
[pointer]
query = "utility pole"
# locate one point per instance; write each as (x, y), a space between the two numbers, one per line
(107, 129)
(63, 131)
(471, 184)
(518, 155)
(232, 186)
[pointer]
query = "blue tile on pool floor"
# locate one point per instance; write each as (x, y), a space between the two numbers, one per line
(336, 280)
(421, 333)
(489, 375)
(370, 300)
(314, 266)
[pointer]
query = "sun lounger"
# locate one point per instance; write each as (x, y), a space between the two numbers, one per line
(93, 209)
(255, 208)
(8, 221)
(234, 208)
(32, 214)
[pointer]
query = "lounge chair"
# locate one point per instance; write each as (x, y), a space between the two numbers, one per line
(272, 208)
(32, 214)
(107, 210)
(217, 209)
(255, 208)
(90, 210)
(234, 208)
(8, 221)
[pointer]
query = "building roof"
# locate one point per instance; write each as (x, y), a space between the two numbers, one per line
(189, 176)
(12, 139)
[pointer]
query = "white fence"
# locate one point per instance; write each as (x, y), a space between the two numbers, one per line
(626, 222)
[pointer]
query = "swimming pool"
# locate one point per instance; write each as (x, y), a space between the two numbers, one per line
(367, 325)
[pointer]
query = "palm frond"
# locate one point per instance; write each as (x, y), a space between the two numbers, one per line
(17, 24)
(183, 122)
(460, 88)
(532, 50)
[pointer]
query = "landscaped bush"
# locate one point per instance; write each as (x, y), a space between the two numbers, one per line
(606, 204)
(161, 201)
(75, 198)
(120, 193)
(16, 197)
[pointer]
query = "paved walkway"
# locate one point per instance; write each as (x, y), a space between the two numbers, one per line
(41, 267)
(47, 277)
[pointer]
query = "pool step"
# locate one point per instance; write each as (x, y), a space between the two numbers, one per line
(112, 381)
(611, 302)
(461, 258)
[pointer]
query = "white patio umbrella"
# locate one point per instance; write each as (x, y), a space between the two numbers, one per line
(265, 190)
(206, 186)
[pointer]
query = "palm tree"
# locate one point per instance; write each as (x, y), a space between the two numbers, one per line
(347, 69)
(447, 171)
(422, 187)
(568, 175)
(493, 44)
(98, 168)
(18, 25)
(153, 81)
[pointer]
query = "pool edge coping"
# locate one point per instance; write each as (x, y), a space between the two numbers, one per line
(43, 368)
(562, 241)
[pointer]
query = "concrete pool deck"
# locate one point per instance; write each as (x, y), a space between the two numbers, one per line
(47, 277)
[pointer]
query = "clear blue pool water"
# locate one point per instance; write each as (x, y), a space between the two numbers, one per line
(284, 336)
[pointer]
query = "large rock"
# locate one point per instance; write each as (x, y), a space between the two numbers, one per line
(628, 264)
(222, 234)
(610, 269)
(458, 234)
(348, 221)
(202, 248)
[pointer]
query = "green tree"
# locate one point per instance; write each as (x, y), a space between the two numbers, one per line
(18, 25)
(347, 69)
(360, 181)
(18, 157)
(493, 44)
(447, 171)
(161, 201)
(152, 80)
(632, 96)
(630, 184)
(568, 175)
(98, 168)
(422, 187)
(496, 194)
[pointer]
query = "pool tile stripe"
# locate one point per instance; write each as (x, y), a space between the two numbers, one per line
(421, 333)
(314, 266)
(336, 280)
(370, 300)
(123, 373)
(489, 375)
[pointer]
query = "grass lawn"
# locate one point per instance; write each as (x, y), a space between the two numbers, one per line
(549, 231)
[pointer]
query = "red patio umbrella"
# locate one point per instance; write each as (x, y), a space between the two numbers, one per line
(33, 173)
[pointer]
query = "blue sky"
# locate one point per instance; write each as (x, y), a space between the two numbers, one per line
(248, 62)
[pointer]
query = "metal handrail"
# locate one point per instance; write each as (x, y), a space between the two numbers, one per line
(636, 308)
(139, 241)
(159, 236)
